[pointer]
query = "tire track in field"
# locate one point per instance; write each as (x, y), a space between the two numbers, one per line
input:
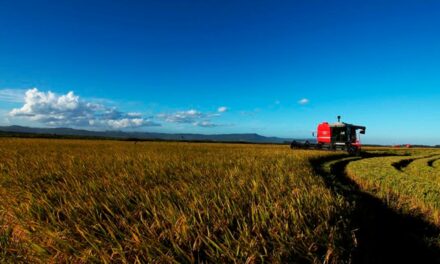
(380, 234)
(402, 164)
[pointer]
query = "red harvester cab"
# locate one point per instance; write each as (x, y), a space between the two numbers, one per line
(324, 133)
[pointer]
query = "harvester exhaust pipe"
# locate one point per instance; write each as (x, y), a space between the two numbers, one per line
(339, 118)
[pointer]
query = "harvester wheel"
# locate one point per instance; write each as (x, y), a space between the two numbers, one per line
(353, 150)
(293, 144)
(307, 144)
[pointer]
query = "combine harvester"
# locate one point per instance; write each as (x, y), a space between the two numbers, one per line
(336, 136)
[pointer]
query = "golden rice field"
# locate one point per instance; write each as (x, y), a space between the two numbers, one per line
(101, 201)
(109, 201)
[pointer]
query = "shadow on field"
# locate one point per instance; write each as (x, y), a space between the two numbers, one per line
(402, 164)
(382, 235)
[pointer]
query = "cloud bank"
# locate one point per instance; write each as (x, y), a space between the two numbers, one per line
(70, 110)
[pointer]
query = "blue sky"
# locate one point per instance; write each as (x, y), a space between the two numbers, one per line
(223, 66)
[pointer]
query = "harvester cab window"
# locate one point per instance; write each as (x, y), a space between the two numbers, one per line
(338, 134)
(352, 135)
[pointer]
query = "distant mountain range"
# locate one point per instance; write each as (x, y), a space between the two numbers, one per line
(70, 132)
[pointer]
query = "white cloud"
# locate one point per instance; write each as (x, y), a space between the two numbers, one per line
(205, 124)
(12, 95)
(133, 114)
(222, 109)
(69, 110)
(191, 116)
(127, 122)
(303, 101)
(182, 117)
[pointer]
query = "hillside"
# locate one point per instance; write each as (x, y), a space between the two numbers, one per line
(250, 137)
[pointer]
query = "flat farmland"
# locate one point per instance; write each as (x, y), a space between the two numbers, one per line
(107, 201)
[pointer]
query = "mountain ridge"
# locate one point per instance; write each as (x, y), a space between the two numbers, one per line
(118, 134)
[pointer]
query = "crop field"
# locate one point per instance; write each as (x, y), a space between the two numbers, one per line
(405, 182)
(85, 201)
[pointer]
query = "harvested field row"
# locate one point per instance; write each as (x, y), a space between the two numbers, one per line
(401, 183)
(378, 225)
(421, 168)
(436, 164)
